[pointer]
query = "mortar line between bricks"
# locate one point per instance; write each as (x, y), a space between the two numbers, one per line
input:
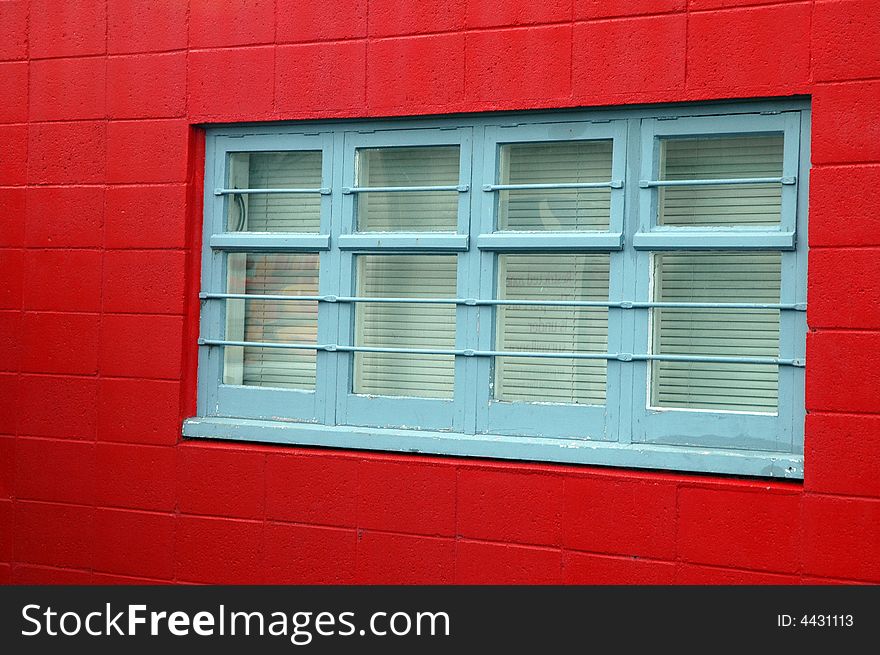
(739, 569)
(843, 165)
(105, 119)
(145, 53)
(687, 28)
(456, 528)
(762, 5)
(94, 185)
(811, 72)
(175, 532)
(274, 57)
(84, 376)
(845, 330)
(618, 556)
(858, 246)
(839, 496)
(98, 571)
(847, 81)
(316, 526)
(801, 554)
(101, 249)
(833, 412)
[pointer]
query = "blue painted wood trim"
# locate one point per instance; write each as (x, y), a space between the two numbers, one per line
(253, 241)
(400, 241)
(688, 239)
(550, 241)
(729, 461)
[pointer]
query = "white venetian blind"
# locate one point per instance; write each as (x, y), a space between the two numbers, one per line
(718, 158)
(276, 212)
(557, 329)
(405, 325)
(409, 211)
(272, 320)
(748, 277)
(555, 209)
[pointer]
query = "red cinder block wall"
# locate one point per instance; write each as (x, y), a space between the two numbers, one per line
(100, 162)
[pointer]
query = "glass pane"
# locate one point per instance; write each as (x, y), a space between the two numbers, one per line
(555, 209)
(727, 157)
(408, 211)
(716, 277)
(405, 325)
(552, 329)
(276, 212)
(271, 320)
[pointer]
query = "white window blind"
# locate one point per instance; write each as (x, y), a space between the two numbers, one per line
(276, 212)
(410, 211)
(721, 157)
(405, 325)
(557, 329)
(716, 277)
(555, 209)
(292, 274)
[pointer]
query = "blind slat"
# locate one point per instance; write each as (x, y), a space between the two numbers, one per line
(405, 325)
(716, 277)
(555, 209)
(266, 320)
(728, 157)
(286, 212)
(415, 211)
(558, 329)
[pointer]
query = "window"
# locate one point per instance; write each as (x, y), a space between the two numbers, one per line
(619, 288)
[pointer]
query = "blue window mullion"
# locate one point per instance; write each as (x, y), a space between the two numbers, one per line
(625, 394)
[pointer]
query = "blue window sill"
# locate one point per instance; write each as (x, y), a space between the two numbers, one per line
(565, 451)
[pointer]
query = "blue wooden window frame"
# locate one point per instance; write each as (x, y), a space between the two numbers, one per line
(623, 432)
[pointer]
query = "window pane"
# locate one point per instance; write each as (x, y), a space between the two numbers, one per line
(276, 212)
(727, 157)
(565, 329)
(408, 211)
(555, 209)
(271, 320)
(716, 277)
(405, 325)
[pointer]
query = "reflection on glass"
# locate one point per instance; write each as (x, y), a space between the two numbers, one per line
(535, 328)
(409, 211)
(722, 157)
(294, 274)
(716, 277)
(405, 325)
(275, 212)
(553, 163)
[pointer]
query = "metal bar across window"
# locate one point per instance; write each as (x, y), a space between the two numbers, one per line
(623, 357)
(324, 191)
(625, 304)
(645, 184)
(611, 184)
(461, 188)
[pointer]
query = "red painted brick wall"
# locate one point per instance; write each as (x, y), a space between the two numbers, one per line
(99, 249)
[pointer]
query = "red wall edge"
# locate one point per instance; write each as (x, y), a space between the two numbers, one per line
(100, 220)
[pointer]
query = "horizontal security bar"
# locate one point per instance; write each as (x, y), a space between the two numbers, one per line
(613, 184)
(461, 188)
(622, 304)
(623, 357)
(645, 184)
(324, 191)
